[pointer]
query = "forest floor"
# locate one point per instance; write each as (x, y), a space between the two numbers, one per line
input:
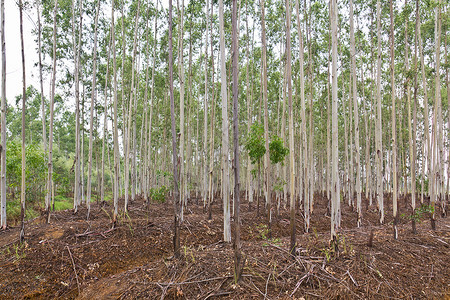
(75, 258)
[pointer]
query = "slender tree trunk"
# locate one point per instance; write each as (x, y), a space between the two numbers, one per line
(105, 127)
(211, 147)
(238, 261)
(130, 110)
(379, 147)
(41, 84)
(356, 118)
(267, 191)
(303, 172)
(181, 79)
(225, 138)
(176, 238)
(91, 122)
(335, 203)
(24, 100)
(205, 117)
(152, 97)
(438, 145)
(292, 248)
(427, 146)
(394, 137)
(115, 126)
(249, 114)
(3, 223)
(413, 159)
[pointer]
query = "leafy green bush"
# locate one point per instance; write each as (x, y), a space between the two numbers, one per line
(159, 194)
(277, 151)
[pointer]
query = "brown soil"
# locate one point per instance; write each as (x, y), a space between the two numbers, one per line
(75, 258)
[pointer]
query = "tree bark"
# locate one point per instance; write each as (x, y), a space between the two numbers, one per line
(225, 138)
(379, 147)
(3, 222)
(91, 122)
(176, 195)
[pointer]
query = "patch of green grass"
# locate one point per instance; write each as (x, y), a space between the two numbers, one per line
(62, 202)
(13, 209)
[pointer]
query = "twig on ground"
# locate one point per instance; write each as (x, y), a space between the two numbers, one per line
(74, 269)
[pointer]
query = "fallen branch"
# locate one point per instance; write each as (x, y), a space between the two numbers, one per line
(74, 269)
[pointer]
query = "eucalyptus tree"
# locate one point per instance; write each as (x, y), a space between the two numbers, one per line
(335, 201)
(24, 100)
(115, 125)
(225, 149)
(267, 190)
(394, 131)
(292, 247)
(303, 172)
(91, 122)
(3, 223)
(183, 181)
(437, 149)
(176, 238)
(52, 102)
(76, 56)
(211, 147)
(205, 114)
(378, 128)
(356, 117)
(238, 262)
(131, 106)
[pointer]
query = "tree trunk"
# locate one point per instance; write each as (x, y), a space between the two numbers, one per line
(293, 244)
(356, 118)
(225, 138)
(91, 122)
(267, 189)
(394, 138)
(115, 126)
(335, 203)
(3, 223)
(24, 100)
(379, 148)
(176, 238)
(238, 261)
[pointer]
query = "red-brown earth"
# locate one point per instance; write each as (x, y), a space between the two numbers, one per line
(75, 258)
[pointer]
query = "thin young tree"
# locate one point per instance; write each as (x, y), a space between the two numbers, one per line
(225, 149)
(238, 262)
(115, 126)
(176, 195)
(130, 109)
(91, 122)
(356, 117)
(52, 101)
(3, 223)
(292, 247)
(183, 181)
(394, 130)
(378, 128)
(24, 100)
(335, 207)
(438, 144)
(267, 190)
(76, 55)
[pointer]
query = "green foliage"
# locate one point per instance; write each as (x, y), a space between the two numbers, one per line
(279, 184)
(263, 231)
(255, 143)
(159, 194)
(277, 151)
(420, 213)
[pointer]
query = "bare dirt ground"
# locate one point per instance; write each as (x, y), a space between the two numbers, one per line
(75, 258)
